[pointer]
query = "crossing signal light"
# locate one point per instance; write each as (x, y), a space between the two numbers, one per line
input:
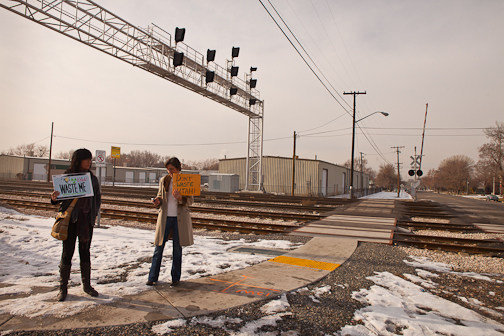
(210, 55)
(233, 91)
(234, 71)
(209, 76)
(178, 58)
(179, 34)
(411, 172)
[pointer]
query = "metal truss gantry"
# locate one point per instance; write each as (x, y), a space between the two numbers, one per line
(152, 49)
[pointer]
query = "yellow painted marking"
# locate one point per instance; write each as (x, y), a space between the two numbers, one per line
(306, 263)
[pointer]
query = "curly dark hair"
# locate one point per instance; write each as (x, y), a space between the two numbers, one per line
(77, 157)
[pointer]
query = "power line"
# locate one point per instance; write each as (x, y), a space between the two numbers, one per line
(313, 71)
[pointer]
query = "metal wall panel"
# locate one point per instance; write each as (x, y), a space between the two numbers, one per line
(277, 175)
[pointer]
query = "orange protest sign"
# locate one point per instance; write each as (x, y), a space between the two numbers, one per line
(187, 184)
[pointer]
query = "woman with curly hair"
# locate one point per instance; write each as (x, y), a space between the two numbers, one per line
(81, 225)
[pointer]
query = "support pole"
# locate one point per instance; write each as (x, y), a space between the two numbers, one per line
(50, 155)
(361, 172)
(294, 165)
(398, 173)
(353, 141)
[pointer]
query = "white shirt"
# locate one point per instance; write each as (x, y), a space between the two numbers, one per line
(172, 202)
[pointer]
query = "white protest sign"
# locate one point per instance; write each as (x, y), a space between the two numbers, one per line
(100, 158)
(73, 185)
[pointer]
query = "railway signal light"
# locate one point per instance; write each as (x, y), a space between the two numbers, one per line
(210, 55)
(179, 34)
(233, 91)
(178, 58)
(235, 51)
(209, 76)
(234, 71)
(252, 101)
(253, 83)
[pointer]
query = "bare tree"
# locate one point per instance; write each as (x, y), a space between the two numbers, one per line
(491, 154)
(144, 158)
(429, 179)
(29, 150)
(209, 164)
(386, 177)
(65, 155)
(454, 173)
(357, 167)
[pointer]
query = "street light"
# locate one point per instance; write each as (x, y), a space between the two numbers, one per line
(353, 146)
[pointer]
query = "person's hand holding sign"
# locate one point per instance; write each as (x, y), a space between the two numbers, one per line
(156, 201)
(54, 195)
(177, 195)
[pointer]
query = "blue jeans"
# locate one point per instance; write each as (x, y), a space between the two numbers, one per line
(171, 224)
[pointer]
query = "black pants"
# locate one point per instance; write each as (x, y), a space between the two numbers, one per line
(69, 247)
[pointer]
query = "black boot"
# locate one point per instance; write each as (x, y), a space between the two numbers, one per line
(86, 279)
(64, 276)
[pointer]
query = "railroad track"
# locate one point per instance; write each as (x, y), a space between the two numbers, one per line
(149, 217)
(418, 225)
(198, 209)
(492, 247)
(254, 201)
(130, 192)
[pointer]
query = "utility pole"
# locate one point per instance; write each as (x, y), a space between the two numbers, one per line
(353, 140)
(361, 170)
(398, 173)
(294, 164)
(50, 155)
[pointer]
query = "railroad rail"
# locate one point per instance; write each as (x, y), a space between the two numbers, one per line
(136, 192)
(197, 209)
(149, 217)
(419, 225)
(493, 247)
(299, 204)
(427, 209)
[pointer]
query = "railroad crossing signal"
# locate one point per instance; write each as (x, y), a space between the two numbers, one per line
(419, 172)
(414, 164)
(415, 160)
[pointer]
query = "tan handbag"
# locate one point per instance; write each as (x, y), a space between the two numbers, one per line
(60, 227)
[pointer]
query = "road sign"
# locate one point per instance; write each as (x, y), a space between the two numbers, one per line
(116, 152)
(100, 158)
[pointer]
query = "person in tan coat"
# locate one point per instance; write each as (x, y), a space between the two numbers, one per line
(174, 222)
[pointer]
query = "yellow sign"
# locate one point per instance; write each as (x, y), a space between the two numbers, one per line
(187, 184)
(115, 153)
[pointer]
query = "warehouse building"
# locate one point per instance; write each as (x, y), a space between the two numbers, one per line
(36, 169)
(312, 177)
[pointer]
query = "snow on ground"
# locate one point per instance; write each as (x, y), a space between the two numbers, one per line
(30, 259)
(397, 306)
(389, 195)
(394, 306)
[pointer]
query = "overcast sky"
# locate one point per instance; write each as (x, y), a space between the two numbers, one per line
(404, 54)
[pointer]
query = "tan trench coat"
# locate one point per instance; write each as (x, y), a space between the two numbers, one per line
(183, 217)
